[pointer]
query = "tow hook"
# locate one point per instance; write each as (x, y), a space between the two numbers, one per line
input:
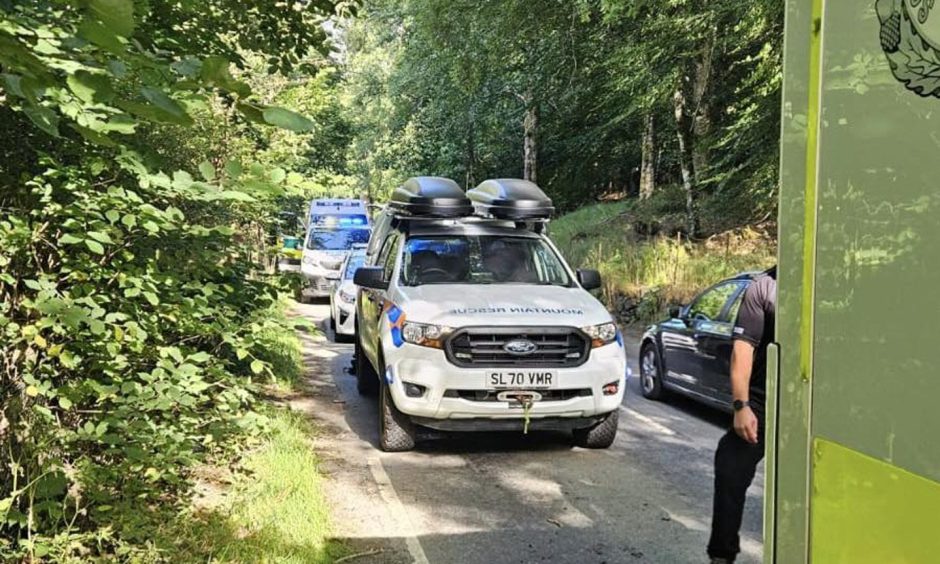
(525, 398)
(521, 396)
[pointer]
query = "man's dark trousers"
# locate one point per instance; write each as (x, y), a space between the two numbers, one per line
(735, 464)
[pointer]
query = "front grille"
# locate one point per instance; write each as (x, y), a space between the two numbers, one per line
(322, 284)
(483, 347)
(491, 396)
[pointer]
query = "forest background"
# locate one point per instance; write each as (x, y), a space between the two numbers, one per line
(149, 148)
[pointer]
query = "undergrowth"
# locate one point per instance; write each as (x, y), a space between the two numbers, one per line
(644, 275)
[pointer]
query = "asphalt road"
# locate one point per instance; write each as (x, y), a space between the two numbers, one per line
(499, 498)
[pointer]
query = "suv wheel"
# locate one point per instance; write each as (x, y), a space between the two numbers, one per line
(601, 435)
(396, 431)
(367, 381)
(651, 380)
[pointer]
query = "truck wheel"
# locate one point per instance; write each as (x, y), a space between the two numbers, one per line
(367, 381)
(651, 379)
(396, 431)
(600, 435)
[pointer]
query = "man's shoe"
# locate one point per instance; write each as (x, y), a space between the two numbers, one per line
(721, 561)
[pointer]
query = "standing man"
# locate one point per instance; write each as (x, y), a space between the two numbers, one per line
(742, 448)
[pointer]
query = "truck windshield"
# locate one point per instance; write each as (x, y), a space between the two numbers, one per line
(482, 259)
(336, 239)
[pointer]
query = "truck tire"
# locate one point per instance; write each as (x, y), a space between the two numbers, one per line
(367, 381)
(396, 430)
(601, 435)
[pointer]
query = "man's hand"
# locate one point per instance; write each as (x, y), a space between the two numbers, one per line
(745, 425)
(742, 361)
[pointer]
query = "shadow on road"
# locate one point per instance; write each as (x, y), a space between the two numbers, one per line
(687, 406)
(549, 544)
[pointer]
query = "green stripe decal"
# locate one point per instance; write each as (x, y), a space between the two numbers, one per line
(809, 202)
(865, 510)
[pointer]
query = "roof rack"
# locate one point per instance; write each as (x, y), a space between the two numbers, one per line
(430, 197)
(511, 198)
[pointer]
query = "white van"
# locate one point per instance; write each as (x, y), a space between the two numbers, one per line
(334, 227)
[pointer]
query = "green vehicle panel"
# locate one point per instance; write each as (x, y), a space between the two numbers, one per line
(854, 466)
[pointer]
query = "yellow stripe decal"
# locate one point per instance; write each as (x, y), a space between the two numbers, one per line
(866, 510)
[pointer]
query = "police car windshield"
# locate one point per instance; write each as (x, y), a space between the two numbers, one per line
(481, 259)
(355, 261)
(336, 239)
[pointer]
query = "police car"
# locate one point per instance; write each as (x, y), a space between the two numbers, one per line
(469, 319)
(343, 297)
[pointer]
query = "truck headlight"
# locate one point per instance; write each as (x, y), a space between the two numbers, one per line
(309, 260)
(602, 334)
(348, 297)
(425, 334)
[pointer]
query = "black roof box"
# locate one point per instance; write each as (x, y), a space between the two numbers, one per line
(511, 198)
(430, 196)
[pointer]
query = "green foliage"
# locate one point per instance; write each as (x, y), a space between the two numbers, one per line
(264, 504)
(125, 356)
(93, 69)
(137, 311)
(442, 87)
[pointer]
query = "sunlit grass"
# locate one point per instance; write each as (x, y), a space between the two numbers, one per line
(274, 511)
(279, 511)
(270, 507)
(655, 271)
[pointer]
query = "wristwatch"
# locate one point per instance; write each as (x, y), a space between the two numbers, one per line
(738, 405)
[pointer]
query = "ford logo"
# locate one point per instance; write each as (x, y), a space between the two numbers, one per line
(520, 347)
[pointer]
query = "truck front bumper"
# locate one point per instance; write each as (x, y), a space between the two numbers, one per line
(319, 281)
(461, 398)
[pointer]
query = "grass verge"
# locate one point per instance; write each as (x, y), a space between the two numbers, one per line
(273, 511)
(266, 504)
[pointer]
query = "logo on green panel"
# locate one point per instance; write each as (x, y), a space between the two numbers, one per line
(910, 37)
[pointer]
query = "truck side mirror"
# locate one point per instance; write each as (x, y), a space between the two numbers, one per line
(372, 277)
(589, 279)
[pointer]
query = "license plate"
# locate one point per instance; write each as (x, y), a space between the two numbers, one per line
(520, 379)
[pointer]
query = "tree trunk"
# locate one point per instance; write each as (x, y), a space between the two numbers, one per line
(530, 157)
(470, 180)
(686, 160)
(647, 164)
(700, 113)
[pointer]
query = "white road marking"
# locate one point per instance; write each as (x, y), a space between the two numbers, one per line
(649, 422)
(387, 490)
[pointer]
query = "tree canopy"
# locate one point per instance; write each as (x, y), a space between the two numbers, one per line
(584, 96)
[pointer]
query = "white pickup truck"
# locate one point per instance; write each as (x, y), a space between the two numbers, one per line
(468, 319)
